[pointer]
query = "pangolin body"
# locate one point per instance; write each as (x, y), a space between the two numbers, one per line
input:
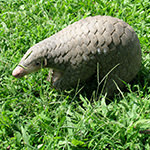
(101, 43)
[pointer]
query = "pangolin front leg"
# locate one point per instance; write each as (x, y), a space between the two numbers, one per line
(68, 79)
(54, 75)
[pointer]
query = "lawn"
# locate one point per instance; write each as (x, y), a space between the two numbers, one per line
(35, 116)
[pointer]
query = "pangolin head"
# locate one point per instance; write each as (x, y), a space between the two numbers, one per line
(32, 61)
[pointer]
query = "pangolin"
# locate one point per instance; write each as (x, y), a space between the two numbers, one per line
(101, 45)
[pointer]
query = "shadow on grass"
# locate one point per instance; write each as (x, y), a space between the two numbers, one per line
(141, 82)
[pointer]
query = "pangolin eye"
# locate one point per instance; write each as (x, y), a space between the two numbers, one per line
(37, 63)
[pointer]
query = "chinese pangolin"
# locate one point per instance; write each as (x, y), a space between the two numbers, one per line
(102, 43)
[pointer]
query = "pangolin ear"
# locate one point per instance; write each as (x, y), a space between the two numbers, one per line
(45, 62)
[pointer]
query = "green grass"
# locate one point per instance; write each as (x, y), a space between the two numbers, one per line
(35, 116)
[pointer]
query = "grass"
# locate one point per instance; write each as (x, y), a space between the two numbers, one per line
(35, 116)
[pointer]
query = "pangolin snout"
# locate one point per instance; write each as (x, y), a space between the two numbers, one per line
(18, 72)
